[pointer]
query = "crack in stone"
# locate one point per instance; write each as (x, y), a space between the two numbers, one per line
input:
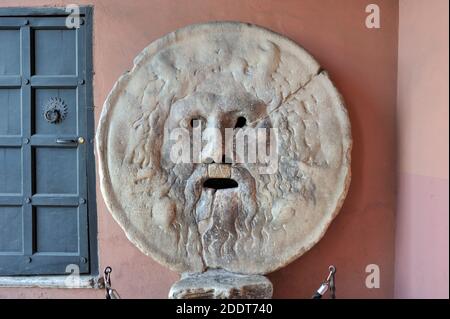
(288, 98)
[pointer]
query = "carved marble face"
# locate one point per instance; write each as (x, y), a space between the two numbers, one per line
(217, 213)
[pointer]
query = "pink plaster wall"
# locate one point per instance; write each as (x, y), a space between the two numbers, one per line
(363, 65)
(422, 233)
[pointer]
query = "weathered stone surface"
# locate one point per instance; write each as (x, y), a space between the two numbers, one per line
(218, 73)
(221, 284)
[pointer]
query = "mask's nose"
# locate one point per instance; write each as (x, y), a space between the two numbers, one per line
(212, 146)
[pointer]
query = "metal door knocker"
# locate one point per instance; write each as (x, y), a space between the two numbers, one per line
(55, 110)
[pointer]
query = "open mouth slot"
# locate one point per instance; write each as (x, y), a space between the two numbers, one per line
(220, 183)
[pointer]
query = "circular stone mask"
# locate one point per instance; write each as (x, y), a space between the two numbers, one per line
(242, 214)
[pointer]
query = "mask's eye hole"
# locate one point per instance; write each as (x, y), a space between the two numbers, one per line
(241, 121)
(195, 122)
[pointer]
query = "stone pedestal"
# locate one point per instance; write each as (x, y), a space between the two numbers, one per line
(221, 284)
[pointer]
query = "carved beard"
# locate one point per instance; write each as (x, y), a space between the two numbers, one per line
(226, 227)
(224, 221)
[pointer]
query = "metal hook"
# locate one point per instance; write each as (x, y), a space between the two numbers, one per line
(332, 282)
(108, 271)
(332, 271)
(110, 292)
(329, 283)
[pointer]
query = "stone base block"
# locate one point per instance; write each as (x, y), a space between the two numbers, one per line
(221, 284)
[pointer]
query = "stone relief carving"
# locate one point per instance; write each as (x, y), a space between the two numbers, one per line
(215, 214)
